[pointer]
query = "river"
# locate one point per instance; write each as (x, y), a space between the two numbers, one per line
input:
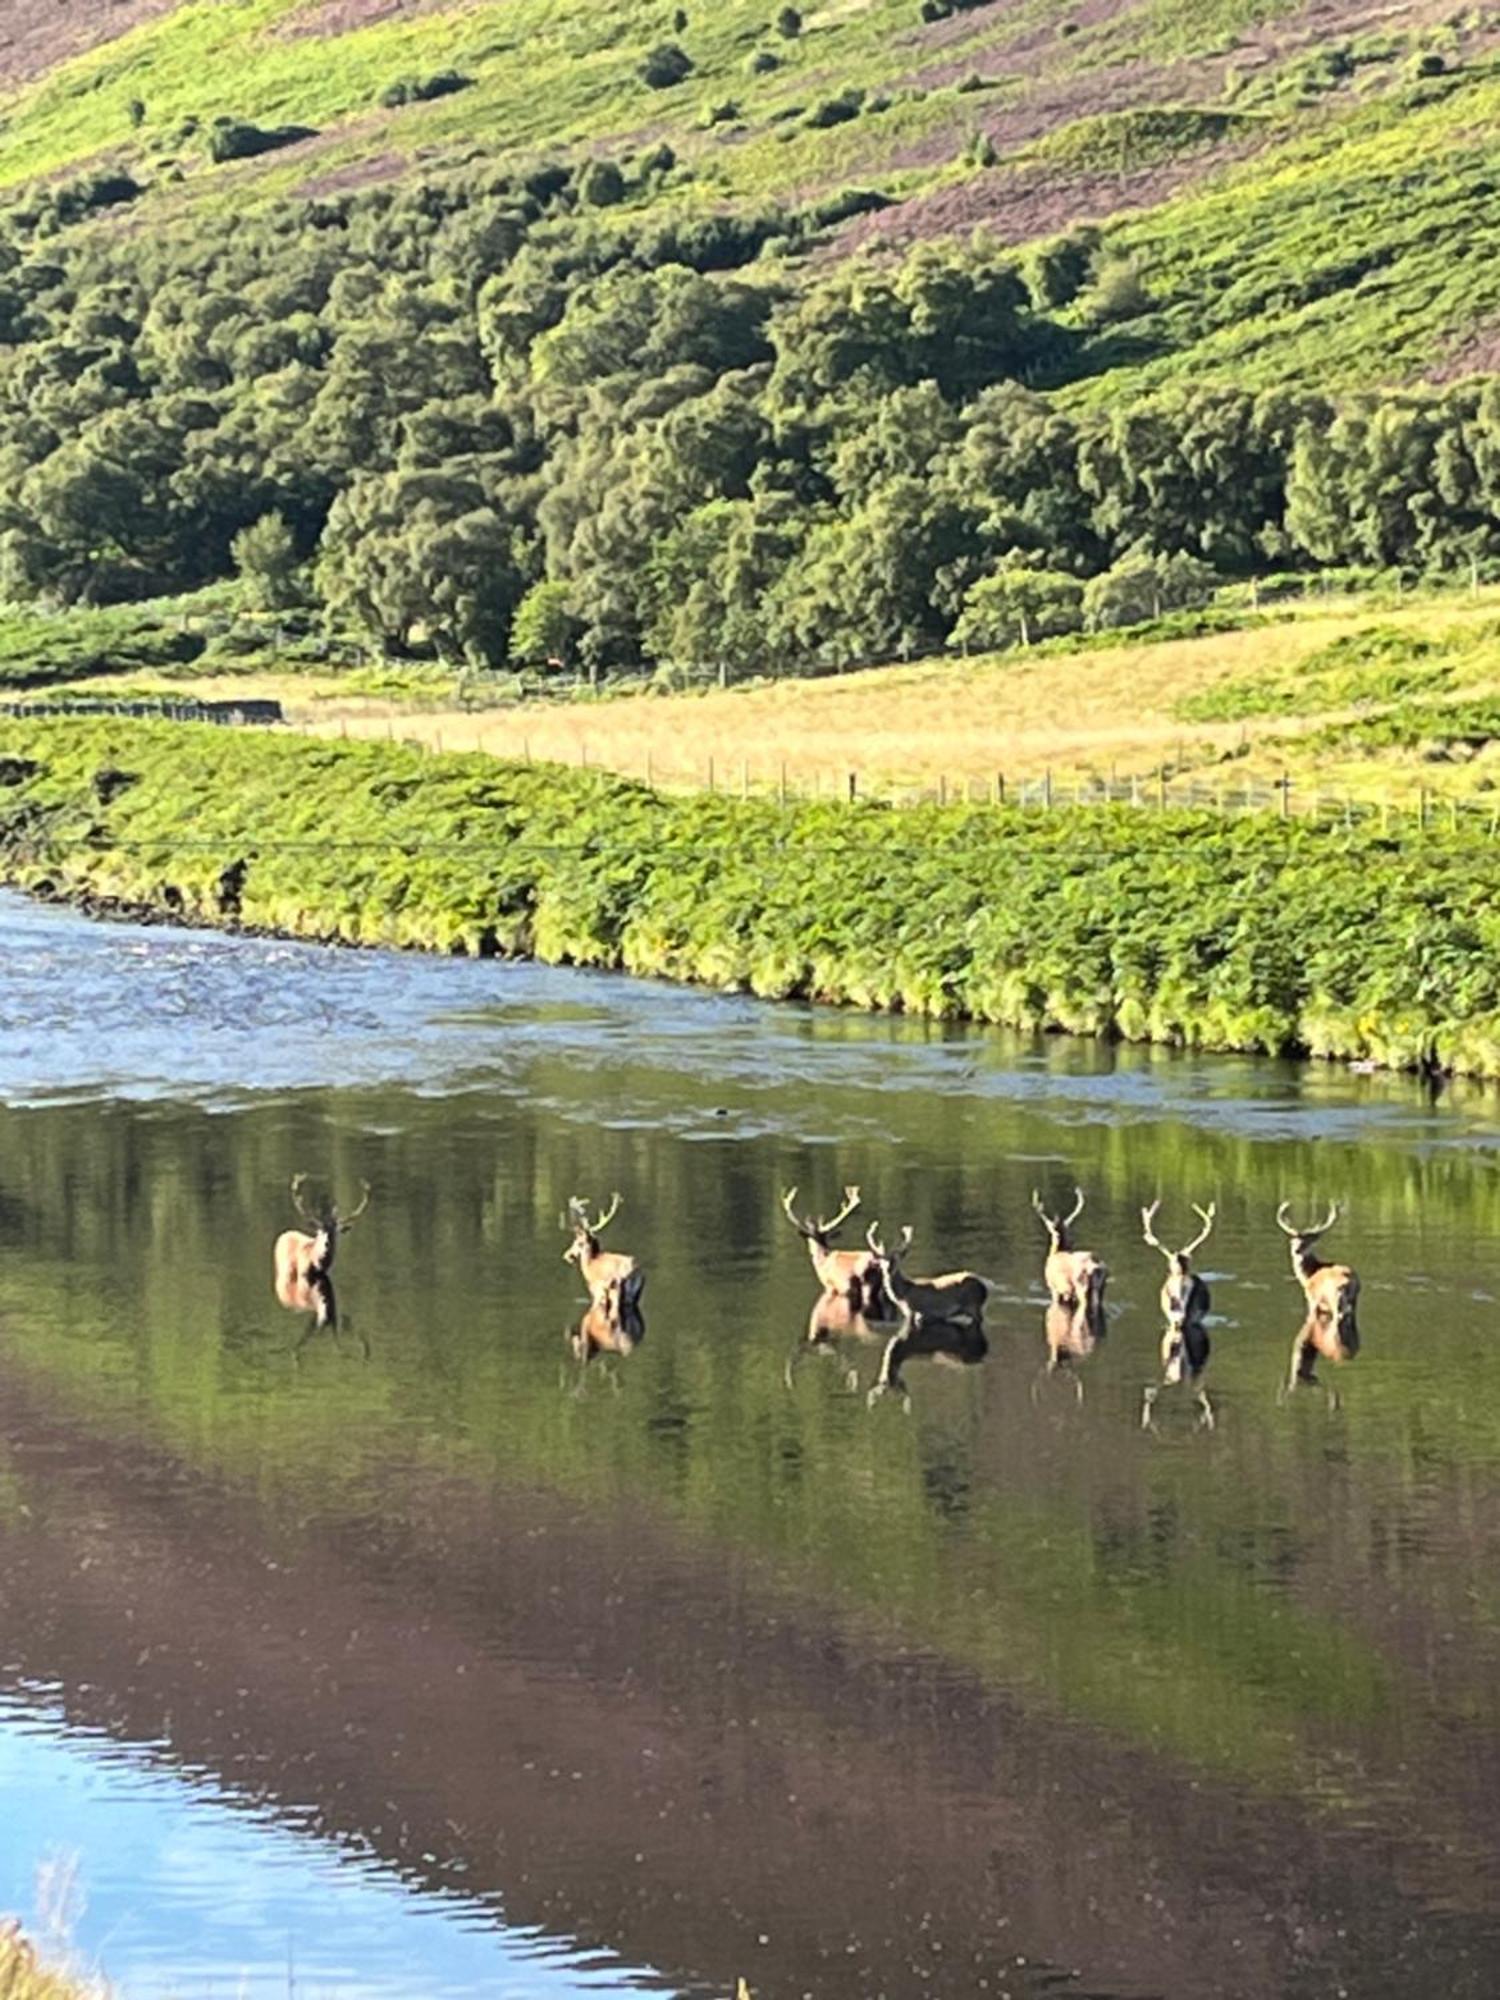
(414, 1656)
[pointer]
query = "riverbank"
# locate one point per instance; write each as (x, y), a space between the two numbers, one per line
(24, 1977)
(1177, 927)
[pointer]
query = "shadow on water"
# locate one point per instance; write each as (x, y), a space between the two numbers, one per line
(704, 1675)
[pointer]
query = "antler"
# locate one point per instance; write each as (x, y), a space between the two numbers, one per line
(851, 1202)
(1077, 1208)
(872, 1237)
(609, 1215)
(1308, 1235)
(348, 1221)
(815, 1229)
(1206, 1217)
(299, 1181)
(1148, 1216)
(802, 1228)
(1036, 1202)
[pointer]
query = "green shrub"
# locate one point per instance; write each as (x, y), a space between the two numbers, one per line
(666, 65)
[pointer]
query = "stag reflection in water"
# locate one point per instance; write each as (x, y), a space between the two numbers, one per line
(1320, 1338)
(958, 1343)
(835, 1318)
(1071, 1334)
(611, 1325)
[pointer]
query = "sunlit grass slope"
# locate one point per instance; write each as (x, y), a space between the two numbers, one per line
(1301, 194)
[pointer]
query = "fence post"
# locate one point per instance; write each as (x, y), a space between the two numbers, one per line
(1284, 786)
(1047, 787)
(710, 774)
(781, 787)
(1422, 808)
(853, 786)
(942, 788)
(744, 777)
(999, 788)
(1135, 788)
(650, 772)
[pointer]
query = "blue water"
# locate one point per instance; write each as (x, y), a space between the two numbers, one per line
(150, 1872)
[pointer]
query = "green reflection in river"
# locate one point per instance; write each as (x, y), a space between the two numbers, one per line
(1267, 1601)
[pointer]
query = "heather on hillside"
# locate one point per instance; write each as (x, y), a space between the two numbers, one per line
(639, 359)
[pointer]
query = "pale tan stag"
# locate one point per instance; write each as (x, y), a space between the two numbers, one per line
(1184, 1294)
(953, 1297)
(1331, 1290)
(1072, 1277)
(303, 1257)
(614, 1279)
(846, 1274)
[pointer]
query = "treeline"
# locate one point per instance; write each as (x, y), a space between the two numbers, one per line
(1168, 927)
(568, 415)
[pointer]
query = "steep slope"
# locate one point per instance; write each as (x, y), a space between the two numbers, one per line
(656, 335)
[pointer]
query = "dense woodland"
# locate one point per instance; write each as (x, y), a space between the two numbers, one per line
(504, 416)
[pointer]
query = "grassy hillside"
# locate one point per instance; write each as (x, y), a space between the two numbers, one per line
(1286, 161)
(1156, 926)
(662, 337)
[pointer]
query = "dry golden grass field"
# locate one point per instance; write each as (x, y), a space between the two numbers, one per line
(962, 727)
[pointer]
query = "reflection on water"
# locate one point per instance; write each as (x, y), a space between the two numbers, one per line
(366, 1629)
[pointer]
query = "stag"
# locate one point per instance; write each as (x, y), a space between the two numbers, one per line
(1184, 1295)
(846, 1274)
(956, 1296)
(304, 1256)
(1073, 1277)
(614, 1280)
(1331, 1290)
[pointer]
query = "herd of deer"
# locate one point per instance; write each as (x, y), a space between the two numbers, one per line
(870, 1288)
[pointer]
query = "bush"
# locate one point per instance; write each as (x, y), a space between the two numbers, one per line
(718, 111)
(788, 24)
(666, 65)
(761, 62)
(601, 184)
(836, 110)
(422, 90)
(237, 139)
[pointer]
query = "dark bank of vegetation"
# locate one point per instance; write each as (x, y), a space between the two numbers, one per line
(553, 414)
(1254, 934)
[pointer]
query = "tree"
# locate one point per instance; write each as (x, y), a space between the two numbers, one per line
(1020, 600)
(421, 559)
(1128, 594)
(544, 630)
(265, 554)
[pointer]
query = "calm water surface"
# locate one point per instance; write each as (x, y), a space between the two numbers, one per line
(413, 1656)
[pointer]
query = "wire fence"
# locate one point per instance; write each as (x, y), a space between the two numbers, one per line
(150, 708)
(1166, 788)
